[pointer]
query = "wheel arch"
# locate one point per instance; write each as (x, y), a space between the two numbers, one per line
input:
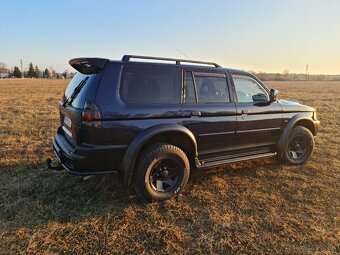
(174, 134)
(297, 120)
(307, 123)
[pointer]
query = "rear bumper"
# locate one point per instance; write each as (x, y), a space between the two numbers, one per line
(85, 159)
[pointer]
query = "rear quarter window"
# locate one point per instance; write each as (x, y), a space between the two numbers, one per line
(79, 100)
(150, 85)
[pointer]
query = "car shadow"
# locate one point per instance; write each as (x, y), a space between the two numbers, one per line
(33, 196)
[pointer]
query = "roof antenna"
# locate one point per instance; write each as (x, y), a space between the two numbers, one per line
(182, 53)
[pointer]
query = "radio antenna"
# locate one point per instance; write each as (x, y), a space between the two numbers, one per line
(182, 53)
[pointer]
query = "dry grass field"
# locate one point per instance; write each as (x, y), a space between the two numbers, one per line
(257, 207)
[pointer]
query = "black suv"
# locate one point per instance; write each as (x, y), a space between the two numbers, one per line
(155, 119)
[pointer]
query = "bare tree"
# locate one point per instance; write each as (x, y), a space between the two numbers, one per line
(285, 73)
(3, 68)
(53, 72)
(65, 74)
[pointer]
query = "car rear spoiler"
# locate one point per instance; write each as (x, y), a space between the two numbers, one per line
(88, 65)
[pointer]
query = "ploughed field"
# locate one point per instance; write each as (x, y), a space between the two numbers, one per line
(256, 207)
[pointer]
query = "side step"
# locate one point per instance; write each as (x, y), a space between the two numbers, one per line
(212, 163)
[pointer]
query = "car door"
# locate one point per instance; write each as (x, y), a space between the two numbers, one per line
(258, 121)
(208, 112)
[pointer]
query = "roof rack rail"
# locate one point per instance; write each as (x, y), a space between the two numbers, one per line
(127, 58)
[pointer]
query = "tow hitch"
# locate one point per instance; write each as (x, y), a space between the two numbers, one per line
(57, 167)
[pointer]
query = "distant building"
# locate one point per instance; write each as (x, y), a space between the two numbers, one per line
(4, 75)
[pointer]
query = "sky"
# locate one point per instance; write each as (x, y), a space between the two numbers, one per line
(258, 35)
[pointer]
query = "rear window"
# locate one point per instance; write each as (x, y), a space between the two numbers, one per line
(210, 88)
(79, 81)
(150, 85)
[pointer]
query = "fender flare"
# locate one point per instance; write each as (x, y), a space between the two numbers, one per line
(131, 154)
(283, 139)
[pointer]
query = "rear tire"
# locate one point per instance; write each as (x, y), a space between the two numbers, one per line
(162, 171)
(299, 146)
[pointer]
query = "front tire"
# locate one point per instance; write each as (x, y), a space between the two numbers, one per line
(162, 171)
(299, 146)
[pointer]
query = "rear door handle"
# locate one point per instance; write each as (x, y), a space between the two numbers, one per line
(196, 113)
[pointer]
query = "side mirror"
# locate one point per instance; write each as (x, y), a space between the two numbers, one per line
(273, 95)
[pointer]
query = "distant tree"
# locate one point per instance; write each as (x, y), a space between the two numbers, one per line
(65, 74)
(261, 75)
(16, 72)
(285, 73)
(46, 74)
(3, 68)
(277, 77)
(31, 72)
(37, 72)
(53, 74)
(320, 77)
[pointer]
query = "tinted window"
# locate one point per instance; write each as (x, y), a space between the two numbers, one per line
(211, 88)
(77, 81)
(248, 90)
(190, 96)
(150, 85)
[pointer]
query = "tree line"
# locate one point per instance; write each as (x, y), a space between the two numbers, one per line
(34, 72)
(287, 76)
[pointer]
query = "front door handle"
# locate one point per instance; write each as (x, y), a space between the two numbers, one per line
(196, 113)
(245, 112)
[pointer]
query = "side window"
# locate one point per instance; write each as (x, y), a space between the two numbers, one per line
(211, 88)
(248, 90)
(190, 96)
(150, 85)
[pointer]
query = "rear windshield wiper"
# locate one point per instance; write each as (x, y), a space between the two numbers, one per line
(75, 92)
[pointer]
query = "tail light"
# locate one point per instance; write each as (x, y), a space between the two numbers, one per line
(91, 115)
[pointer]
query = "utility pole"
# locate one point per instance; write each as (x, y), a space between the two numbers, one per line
(307, 72)
(22, 70)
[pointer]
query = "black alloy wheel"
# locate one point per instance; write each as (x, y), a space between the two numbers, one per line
(161, 172)
(165, 174)
(299, 146)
